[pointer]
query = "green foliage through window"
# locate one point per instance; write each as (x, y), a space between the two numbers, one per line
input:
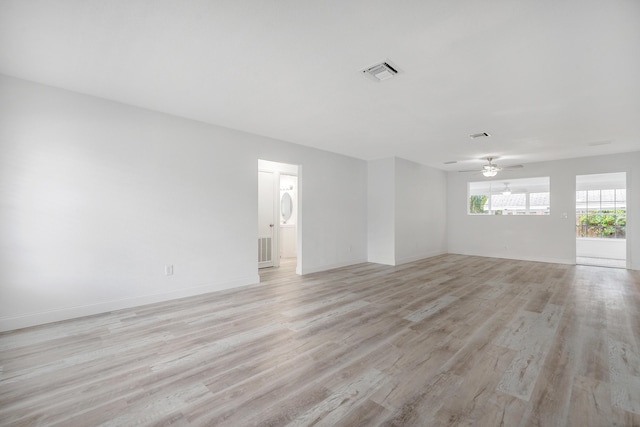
(605, 223)
(477, 203)
(601, 213)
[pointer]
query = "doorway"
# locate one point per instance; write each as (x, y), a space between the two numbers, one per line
(601, 219)
(279, 216)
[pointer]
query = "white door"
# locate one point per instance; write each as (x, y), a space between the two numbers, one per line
(266, 219)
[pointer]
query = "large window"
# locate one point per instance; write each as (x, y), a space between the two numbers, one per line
(601, 213)
(528, 196)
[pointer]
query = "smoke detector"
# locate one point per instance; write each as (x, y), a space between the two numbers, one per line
(380, 72)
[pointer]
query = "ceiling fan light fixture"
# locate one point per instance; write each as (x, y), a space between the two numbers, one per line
(490, 169)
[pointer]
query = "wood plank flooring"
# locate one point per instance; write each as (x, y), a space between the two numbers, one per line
(451, 340)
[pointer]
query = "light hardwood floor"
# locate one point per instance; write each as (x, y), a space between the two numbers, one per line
(451, 340)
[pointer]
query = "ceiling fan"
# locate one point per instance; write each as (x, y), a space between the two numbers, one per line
(491, 169)
(505, 189)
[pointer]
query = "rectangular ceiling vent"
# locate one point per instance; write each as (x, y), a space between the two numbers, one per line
(381, 71)
(479, 135)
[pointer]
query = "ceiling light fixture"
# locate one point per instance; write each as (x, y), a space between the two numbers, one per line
(490, 169)
(489, 172)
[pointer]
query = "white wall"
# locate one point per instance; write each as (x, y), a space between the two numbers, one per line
(407, 211)
(381, 211)
(421, 211)
(540, 238)
(96, 197)
(601, 248)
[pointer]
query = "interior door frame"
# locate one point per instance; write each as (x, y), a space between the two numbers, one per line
(282, 168)
(627, 261)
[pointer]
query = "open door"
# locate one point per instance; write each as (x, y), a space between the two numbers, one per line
(266, 219)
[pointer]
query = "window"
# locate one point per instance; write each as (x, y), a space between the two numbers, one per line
(528, 196)
(601, 213)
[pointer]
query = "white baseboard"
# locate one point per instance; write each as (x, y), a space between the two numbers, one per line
(419, 257)
(316, 269)
(569, 261)
(66, 313)
(383, 261)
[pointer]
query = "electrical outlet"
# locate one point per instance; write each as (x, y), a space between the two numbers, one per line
(168, 270)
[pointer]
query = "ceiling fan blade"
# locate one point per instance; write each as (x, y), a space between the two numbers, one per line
(513, 167)
(471, 170)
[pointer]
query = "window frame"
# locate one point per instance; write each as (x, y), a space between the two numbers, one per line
(518, 186)
(596, 210)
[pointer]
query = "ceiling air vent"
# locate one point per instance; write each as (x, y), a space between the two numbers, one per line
(381, 71)
(479, 135)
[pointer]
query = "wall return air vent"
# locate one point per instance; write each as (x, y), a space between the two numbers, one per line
(382, 71)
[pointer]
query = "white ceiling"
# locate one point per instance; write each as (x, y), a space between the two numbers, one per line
(548, 79)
